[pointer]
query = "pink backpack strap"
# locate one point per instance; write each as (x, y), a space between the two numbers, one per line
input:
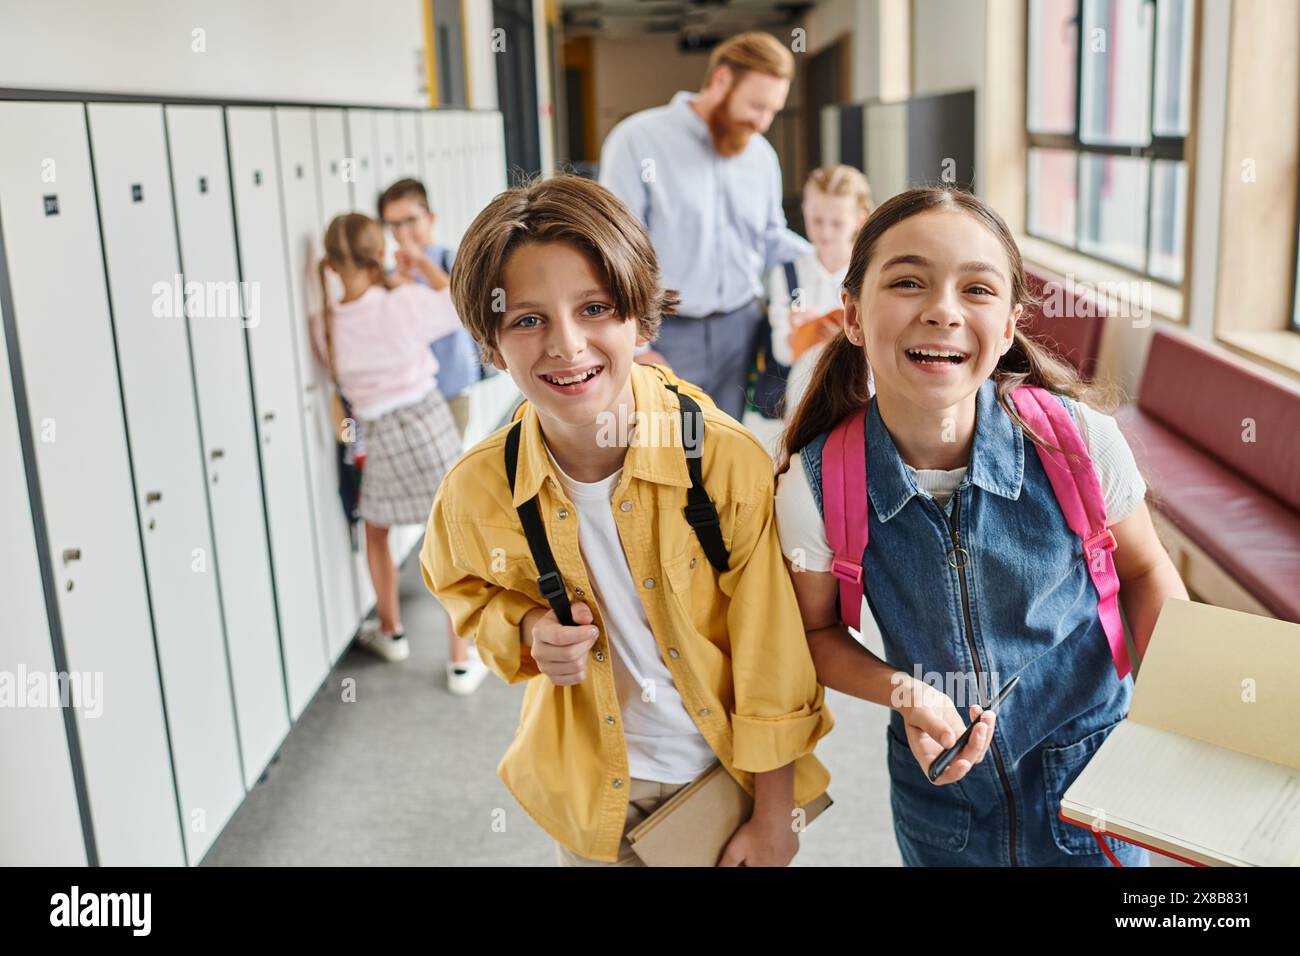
(844, 509)
(1078, 492)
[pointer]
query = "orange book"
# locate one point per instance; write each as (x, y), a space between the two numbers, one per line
(815, 331)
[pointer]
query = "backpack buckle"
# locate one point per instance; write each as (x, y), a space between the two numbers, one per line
(551, 585)
(703, 513)
(847, 570)
(1103, 540)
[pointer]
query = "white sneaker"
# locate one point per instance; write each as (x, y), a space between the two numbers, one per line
(464, 677)
(391, 647)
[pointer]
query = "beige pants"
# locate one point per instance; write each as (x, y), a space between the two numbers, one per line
(460, 411)
(644, 797)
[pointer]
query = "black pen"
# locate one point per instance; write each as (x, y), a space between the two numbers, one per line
(941, 762)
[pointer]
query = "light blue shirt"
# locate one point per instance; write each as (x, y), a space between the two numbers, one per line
(716, 223)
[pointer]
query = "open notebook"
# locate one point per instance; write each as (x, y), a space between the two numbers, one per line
(1207, 764)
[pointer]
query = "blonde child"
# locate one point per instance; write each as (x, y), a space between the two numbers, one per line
(836, 202)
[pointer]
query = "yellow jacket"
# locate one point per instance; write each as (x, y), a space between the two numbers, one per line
(734, 642)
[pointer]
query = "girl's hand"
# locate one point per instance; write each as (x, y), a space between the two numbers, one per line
(933, 725)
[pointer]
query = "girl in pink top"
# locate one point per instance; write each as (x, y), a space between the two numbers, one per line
(375, 342)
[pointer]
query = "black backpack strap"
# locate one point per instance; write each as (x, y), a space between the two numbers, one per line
(791, 280)
(701, 514)
(549, 581)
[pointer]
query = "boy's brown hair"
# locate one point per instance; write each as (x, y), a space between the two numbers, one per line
(752, 52)
(560, 209)
(404, 189)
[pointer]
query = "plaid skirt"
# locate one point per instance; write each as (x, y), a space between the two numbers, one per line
(408, 450)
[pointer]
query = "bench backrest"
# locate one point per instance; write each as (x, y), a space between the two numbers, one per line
(1219, 404)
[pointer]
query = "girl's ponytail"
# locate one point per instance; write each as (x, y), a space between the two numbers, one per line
(327, 319)
(838, 387)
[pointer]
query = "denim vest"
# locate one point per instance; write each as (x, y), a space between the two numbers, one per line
(994, 584)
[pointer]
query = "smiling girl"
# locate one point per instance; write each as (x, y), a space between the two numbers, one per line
(972, 570)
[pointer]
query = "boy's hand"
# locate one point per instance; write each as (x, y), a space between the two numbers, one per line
(762, 841)
(411, 261)
(561, 652)
(933, 725)
(812, 332)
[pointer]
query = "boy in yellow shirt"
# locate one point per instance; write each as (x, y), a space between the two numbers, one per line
(647, 603)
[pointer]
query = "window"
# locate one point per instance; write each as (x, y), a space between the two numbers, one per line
(1295, 306)
(1108, 108)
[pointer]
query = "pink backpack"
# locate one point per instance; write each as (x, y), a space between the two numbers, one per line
(844, 506)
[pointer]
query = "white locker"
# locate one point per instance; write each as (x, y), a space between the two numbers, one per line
(431, 170)
(303, 233)
(501, 177)
(478, 168)
(201, 188)
(75, 410)
(409, 128)
(454, 222)
(361, 170)
(276, 397)
(331, 150)
(146, 295)
(389, 145)
(40, 824)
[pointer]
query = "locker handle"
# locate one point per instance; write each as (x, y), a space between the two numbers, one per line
(71, 554)
(217, 453)
(152, 496)
(269, 417)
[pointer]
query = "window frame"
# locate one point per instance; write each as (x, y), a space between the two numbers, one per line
(1167, 148)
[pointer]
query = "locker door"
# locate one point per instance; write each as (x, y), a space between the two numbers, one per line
(477, 183)
(430, 163)
(139, 231)
(331, 150)
(331, 144)
(389, 144)
(484, 175)
(40, 824)
(410, 139)
(259, 227)
(434, 181)
(303, 231)
(361, 154)
(448, 128)
(201, 188)
(498, 140)
(65, 341)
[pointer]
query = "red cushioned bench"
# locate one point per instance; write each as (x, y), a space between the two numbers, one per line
(1070, 320)
(1225, 500)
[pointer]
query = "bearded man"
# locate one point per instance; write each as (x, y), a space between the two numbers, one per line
(709, 193)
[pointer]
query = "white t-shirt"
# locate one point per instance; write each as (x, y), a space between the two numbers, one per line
(803, 536)
(663, 743)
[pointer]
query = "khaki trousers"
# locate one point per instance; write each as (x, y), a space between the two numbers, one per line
(644, 797)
